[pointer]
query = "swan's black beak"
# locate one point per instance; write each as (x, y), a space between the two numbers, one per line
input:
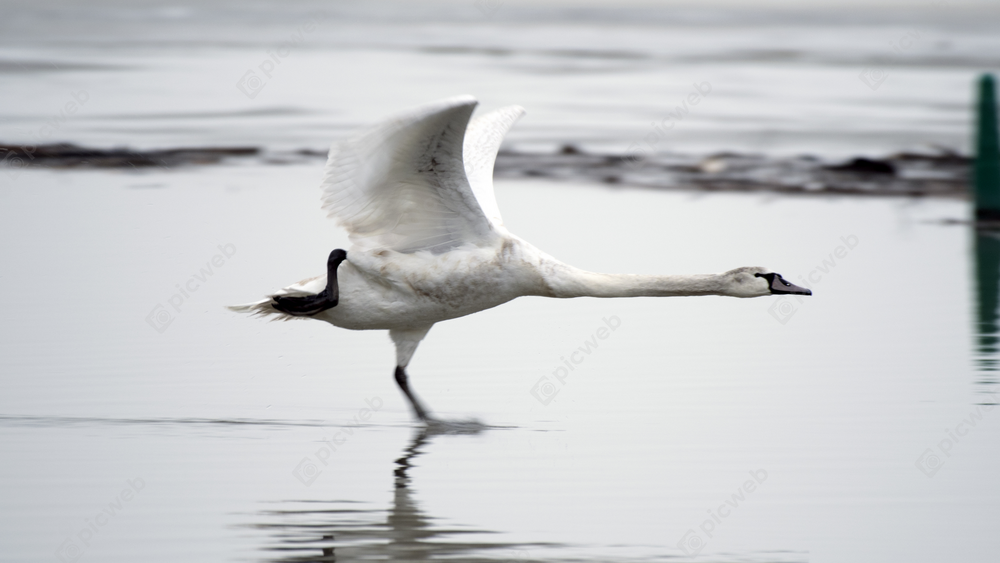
(781, 286)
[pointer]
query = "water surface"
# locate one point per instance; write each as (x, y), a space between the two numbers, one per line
(815, 78)
(844, 411)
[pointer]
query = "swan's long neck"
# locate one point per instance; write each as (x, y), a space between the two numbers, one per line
(567, 281)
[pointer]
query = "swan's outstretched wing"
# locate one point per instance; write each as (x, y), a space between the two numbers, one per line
(401, 185)
(482, 141)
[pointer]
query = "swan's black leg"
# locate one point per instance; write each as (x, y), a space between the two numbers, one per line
(418, 408)
(311, 304)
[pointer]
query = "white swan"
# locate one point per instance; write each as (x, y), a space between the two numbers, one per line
(416, 196)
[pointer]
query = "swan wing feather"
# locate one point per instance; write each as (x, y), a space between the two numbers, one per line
(482, 142)
(401, 185)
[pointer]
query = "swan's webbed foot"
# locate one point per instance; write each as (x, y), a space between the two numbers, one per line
(304, 306)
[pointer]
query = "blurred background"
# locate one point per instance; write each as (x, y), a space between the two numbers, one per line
(153, 147)
(828, 78)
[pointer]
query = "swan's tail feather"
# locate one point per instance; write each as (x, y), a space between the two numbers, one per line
(304, 306)
(310, 288)
(245, 308)
(262, 308)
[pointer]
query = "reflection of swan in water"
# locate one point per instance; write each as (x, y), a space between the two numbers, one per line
(987, 312)
(327, 531)
(987, 253)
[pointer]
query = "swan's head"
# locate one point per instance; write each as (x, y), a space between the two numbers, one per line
(757, 282)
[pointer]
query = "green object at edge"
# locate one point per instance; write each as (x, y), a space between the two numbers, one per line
(986, 171)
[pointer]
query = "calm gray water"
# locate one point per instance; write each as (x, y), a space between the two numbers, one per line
(817, 77)
(141, 421)
(843, 406)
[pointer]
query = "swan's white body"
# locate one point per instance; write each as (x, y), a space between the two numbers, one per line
(385, 289)
(416, 197)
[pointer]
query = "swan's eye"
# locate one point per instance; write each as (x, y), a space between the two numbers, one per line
(772, 277)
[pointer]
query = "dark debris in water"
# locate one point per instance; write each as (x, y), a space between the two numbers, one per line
(941, 174)
(65, 155)
(866, 166)
(907, 174)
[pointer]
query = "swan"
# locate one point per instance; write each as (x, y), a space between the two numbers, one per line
(415, 195)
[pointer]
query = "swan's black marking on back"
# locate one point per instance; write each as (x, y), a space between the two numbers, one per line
(313, 304)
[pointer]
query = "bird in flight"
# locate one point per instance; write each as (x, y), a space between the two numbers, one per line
(415, 195)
